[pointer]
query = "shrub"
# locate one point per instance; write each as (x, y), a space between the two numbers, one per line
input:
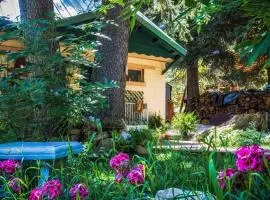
(61, 96)
(184, 122)
(135, 137)
(231, 137)
(155, 121)
(141, 136)
(250, 175)
(245, 137)
(121, 163)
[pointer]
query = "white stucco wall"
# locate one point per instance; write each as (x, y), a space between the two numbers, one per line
(154, 87)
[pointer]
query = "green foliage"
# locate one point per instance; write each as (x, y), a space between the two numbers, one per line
(253, 40)
(51, 93)
(137, 137)
(184, 122)
(155, 121)
(198, 173)
(142, 136)
(229, 137)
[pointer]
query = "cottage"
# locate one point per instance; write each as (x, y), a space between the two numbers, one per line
(151, 52)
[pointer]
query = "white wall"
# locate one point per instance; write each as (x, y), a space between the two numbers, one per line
(154, 88)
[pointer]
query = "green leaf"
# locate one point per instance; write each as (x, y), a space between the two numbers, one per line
(213, 177)
(132, 22)
(259, 49)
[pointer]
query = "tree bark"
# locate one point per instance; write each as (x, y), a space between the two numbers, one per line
(114, 52)
(31, 12)
(193, 90)
(37, 9)
(268, 76)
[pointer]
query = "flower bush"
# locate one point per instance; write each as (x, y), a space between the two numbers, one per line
(249, 159)
(52, 189)
(9, 166)
(121, 163)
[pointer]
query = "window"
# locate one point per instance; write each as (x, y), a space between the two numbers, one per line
(135, 75)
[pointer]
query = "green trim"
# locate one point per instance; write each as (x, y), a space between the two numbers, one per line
(77, 19)
(154, 29)
(142, 19)
(159, 33)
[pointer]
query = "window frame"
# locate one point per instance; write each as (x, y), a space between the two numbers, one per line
(141, 72)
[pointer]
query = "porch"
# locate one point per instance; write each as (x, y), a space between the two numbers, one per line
(135, 115)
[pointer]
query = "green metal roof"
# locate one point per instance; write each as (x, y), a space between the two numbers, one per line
(146, 38)
(159, 33)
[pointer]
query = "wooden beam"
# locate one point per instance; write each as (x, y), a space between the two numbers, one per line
(143, 56)
(136, 66)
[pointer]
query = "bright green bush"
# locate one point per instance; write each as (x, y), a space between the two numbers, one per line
(141, 136)
(184, 122)
(245, 137)
(235, 138)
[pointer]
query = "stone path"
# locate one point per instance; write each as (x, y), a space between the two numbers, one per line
(196, 146)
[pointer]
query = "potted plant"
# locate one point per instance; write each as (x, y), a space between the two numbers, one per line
(184, 123)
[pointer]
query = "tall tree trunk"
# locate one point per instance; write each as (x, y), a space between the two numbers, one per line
(37, 9)
(32, 11)
(114, 52)
(193, 90)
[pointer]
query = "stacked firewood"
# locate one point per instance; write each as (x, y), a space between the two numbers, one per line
(212, 103)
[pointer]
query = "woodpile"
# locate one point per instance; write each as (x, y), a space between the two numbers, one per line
(211, 104)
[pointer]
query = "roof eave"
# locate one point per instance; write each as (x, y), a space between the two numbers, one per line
(154, 29)
(159, 33)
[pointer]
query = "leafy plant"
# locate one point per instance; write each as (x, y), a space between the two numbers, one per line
(45, 96)
(184, 122)
(229, 137)
(141, 136)
(155, 121)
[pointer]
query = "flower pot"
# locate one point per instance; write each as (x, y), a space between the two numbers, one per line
(75, 134)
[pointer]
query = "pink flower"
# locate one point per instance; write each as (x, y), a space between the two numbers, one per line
(250, 158)
(14, 185)
(119, 177)
(242, 164)
(119, 161)
(79, 190)
(35, 194)
(243, 152)
(256, 150)
(141, 168)
(52, 189)
(9, 166)
(230, 172)
(225, 175)
(135, 176)
(222, 179)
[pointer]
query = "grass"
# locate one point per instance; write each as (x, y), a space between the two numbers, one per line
(165, 168)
